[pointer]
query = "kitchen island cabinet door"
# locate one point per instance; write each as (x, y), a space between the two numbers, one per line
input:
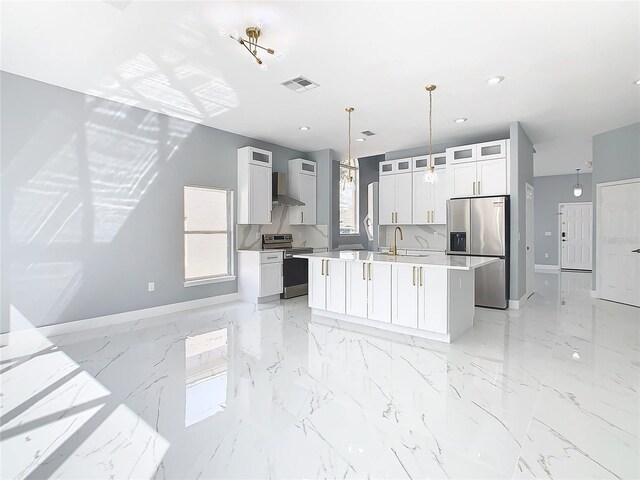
(379, 292)
(404, 296)
(317, 284)
(335, 273)
(357, 284)
(433, 300)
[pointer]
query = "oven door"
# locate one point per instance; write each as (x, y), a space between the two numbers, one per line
(296, 276)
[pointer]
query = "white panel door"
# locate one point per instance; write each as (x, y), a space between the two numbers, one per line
(259, 194)
(530, 255)
(618, 248)
(439, 205)
(379, 294)
(404, 299)
(270, 279)
(461, 178)
(387, 199)
(404, 198)
(491, 177)
(433, 299)
(317, 284)
(575, 236)
(357, 288)
(336, 274)
(422, 199)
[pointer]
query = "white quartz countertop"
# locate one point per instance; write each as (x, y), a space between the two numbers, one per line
(436, 259)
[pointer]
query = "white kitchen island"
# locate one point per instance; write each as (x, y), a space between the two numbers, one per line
(430, 296)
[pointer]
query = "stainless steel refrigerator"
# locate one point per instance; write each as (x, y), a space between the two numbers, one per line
(480, 227)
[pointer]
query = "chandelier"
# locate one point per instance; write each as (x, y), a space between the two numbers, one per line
(430, 176)
(252, 45)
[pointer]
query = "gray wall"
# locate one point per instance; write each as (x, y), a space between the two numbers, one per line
(521, 173)
(616, 156)
(92, 201)
(548, 193)
(323, 160)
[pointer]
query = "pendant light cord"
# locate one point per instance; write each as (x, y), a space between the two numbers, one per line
(430, 132)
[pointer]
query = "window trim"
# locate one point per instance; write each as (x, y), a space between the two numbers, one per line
(231, 274)
(355, 168)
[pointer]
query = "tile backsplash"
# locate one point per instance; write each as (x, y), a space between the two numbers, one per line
(432, 237)
(249, 236)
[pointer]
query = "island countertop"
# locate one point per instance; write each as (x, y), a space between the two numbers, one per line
(436, 260)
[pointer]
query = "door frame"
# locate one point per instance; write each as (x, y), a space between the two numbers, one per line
(561, 204)
(597, 260)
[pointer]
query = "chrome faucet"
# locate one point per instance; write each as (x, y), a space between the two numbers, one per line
(394, 248)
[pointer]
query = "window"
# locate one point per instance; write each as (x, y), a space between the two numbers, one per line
(349, 191)
(208, 250)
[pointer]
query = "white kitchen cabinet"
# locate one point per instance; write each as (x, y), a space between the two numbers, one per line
(270, 279)
(379, 292)
(302, 185)
(369, 290)
(327, 285)
(260, 275)
(491, 177)
(429, 199)
(491, 150)
(433, 300)
(254, 186)
(461, 179)
(404, 299)
(465, 153)
(396, 198)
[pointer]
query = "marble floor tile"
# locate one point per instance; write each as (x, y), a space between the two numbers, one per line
(250, 392)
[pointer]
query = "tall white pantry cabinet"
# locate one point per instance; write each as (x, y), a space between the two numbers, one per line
(254, 186)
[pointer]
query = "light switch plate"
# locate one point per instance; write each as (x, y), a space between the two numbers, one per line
(152, 286)
(547, 234)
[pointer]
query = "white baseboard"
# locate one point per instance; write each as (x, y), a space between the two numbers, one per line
(124, 317)
(518, 304)
(547, 268)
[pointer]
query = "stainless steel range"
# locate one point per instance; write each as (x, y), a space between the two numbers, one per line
(295, 270)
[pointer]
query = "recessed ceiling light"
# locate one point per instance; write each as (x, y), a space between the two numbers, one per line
(360, 139)
(304, 128)
(495, 80)
(637, 82)
(460, 120)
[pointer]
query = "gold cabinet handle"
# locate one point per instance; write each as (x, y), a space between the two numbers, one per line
(413, 277)
(327, 267)
(364, 266)
(301, 217)
(420, 276)
(474, 188)
(369, 268)
(323, 267)
(479, 188)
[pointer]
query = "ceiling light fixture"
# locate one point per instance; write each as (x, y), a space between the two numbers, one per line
(430, 176)
(495, 80)
(577, 188)
(637, 82)
(460, 120)
(360, 139)
(304, 128)
(251, 43)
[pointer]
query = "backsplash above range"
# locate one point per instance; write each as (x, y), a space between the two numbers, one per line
(429, 237)
(249, 236)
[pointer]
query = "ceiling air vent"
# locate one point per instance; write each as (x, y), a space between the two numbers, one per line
(368, 133)
(300, 84)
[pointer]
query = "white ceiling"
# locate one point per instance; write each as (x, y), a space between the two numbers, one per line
(569, 67)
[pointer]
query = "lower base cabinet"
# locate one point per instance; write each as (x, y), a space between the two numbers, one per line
(369, 290)
(327, 285)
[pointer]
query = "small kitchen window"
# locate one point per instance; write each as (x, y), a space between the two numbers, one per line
(208, 235)
(349, 194)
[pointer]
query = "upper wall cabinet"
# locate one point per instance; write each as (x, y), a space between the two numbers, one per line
(395, 187)
(478, 170)
(302, 186)
(429, 199)
(254, 186)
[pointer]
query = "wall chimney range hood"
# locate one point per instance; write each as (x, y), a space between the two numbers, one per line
(279, 191)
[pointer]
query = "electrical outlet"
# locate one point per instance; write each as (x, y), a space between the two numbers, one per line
(152, 286)
(546, 255)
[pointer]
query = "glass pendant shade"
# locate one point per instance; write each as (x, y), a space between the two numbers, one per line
(430, 176)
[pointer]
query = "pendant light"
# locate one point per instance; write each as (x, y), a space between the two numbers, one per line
(430, 176)
(577, 188)
(350, 161)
